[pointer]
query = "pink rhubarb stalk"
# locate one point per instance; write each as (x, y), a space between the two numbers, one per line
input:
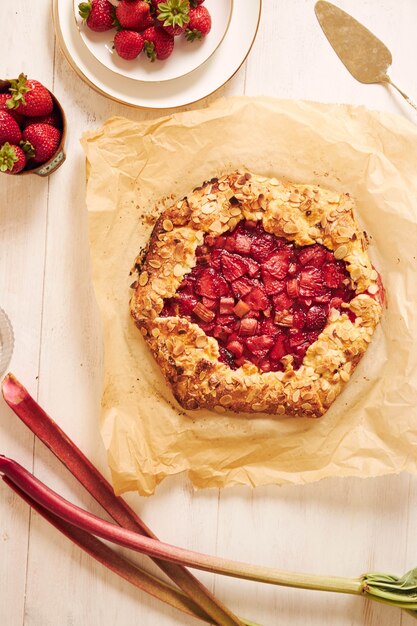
(90, 523)
(29, 411)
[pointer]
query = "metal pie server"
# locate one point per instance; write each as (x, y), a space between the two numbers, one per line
(363, 54)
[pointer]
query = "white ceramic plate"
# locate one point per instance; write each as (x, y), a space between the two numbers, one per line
(203, 81)
(186, 57)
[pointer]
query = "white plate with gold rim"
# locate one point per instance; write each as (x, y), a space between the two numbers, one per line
(187, 56)
(195, 85)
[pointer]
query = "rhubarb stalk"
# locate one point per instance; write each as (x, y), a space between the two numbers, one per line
(400, 592)
(29, 411)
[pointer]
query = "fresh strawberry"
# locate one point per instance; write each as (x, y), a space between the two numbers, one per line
(316, 318)
(174, 15)
(12, 159)
(41, 141)
(257, 299)
(9, 129)
(134, 15)
(4, 98)
(54, 119)
(158, 43)
(233, 266)
(30, 97)
(200, 23)
(128, 44)
(98, 14)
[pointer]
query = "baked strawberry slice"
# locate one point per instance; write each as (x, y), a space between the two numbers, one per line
(312, 255)
(272, 285)
(209, 303)
(186, 303)
(243, 243)
(311, 282)
(282, 302)
(299, 319)
(324, 298)
(233, 266)
(278, 263)
(236, 348)
(262, 247)
(210, 284)
(260, 345)
(268, 327)
(297, 339)
(243, 286)
(215, 259)
(280, 348)
(257, 299)
(332, 276)
(253, 268)
(316, 318)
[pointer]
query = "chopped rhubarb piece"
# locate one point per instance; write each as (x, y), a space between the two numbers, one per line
(312, 255)
(332, 276)
(282, 302)
(260, 345)
(248, 326)
(311, 282)
(236, 348)
(241, 308)
(278, 263)
(233, 266)
(316, 318)
(272, 285)
(280, 349)
(203, 313)
(243, 243)
(284, 319)
(242, 286)
(293, 288)
(226, 305)
(257, 299)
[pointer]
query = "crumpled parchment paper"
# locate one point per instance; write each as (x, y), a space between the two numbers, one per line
(134, 167)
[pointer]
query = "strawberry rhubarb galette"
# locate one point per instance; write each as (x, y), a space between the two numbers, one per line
(256, 295)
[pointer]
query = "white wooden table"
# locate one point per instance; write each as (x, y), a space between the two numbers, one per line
(341, 527)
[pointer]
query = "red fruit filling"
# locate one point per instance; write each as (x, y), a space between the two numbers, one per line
(261, 296)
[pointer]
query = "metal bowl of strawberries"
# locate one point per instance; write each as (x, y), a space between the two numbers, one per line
(32, 128)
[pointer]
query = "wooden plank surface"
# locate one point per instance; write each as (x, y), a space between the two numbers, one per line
(341, 527)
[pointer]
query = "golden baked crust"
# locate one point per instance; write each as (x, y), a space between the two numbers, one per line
(303, 214)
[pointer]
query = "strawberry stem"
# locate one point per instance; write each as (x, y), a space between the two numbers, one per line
(8, 157)
(18, 88)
